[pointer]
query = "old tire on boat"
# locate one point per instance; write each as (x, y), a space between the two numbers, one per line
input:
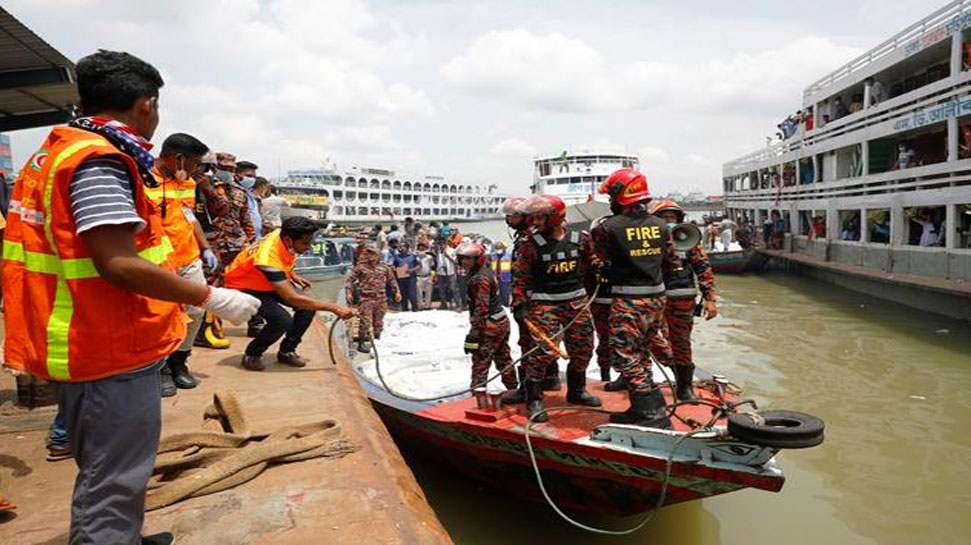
(778, 429)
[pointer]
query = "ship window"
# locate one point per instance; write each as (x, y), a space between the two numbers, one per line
(849, 225)
(351, 195)
(963, 225)
(925, 226)
(338, 194)
(385, 184)
(878, 225)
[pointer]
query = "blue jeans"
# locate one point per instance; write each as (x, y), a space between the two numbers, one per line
(58, 434)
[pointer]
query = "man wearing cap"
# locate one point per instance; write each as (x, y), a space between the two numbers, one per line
(228, 210)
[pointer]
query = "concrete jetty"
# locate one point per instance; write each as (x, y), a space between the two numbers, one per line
(368, 496)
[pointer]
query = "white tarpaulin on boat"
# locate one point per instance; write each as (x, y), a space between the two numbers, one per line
(421, 354)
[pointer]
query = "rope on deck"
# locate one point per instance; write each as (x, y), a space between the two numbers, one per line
(226, 453)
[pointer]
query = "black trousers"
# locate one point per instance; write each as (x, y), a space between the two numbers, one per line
(278, 323)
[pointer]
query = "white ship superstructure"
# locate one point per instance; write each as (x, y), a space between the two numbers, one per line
(876, 170)
(375, 195)
(575, 177)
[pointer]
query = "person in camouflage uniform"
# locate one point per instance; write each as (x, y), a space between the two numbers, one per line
(488, 338)
(365, 288)
(517, 220)
(548, 290)
(600, 309)
(635, 248)
(228, 210)
(681, 289)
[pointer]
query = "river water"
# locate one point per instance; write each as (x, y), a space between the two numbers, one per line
(890, 382)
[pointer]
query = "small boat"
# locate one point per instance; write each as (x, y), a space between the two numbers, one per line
(736, 261)
(587, 464)
(330, 257)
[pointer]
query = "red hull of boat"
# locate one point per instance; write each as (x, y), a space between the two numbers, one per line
(582, 477)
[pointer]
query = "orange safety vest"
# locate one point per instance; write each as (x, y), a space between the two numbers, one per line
(243, 273)
(179, 196)
(63, 321)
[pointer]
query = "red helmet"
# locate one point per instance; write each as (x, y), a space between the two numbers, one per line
(514, 206)
(626, 186)
(666, 205)
(472, 249)
(550, 206)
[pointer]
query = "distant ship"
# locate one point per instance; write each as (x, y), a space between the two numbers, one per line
(376, 195)
(575, 177)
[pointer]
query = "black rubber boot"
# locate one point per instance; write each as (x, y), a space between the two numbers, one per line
(180, 372)
(616, 385)
(164, 538)
(605, 374)
(517, 396)
(576, 390)
(684, 376)
(168, 387)
(534, 400)
(646, 409)
(551, 382)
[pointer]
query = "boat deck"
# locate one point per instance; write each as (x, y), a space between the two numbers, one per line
(565, 425)
(368, 496)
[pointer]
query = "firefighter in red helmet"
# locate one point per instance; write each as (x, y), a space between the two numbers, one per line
(635, 247)
(488, 338)
(548, 290)
(514, 209)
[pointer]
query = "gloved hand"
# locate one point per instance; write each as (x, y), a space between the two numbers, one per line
(471, 343)
(519, 313)
(209, 259)
(233, 306)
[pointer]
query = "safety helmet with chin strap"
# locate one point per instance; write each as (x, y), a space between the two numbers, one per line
(626, 186)
(474, 250)
(549, 206)
(667, 205)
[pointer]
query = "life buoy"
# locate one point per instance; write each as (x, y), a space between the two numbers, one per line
(778, 429)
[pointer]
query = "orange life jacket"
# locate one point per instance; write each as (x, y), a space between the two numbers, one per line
(244, 273)
(179, 197)
(63, 321)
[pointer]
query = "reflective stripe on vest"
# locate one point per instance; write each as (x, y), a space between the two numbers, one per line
(568, 296)
(682, 292)
(498, 316)
(157, 193)
(637, 290)
(603, 301)
(59, 323)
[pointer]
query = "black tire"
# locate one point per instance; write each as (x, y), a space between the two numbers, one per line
(780, 429)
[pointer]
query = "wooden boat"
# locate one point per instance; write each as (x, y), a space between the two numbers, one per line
(588, 465)
(736, 261)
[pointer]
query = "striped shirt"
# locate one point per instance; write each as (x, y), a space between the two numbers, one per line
(101, 194)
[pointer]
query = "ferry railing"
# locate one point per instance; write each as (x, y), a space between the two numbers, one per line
(936, 176)
(902, 39)
(898, 107)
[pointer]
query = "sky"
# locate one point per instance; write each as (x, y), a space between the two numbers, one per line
(474, 90)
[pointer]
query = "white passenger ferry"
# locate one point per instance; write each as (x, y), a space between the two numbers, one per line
(874, 174)
(381, 195)
(575, 177)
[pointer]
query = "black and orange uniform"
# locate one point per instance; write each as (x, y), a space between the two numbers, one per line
(525, 339)
(600, 309)
(691, 274)
(489, 329)
(548, 279)
(254, 271)
(635, 248)
(367, 287)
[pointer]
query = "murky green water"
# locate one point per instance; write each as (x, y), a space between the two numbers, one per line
(892, 385)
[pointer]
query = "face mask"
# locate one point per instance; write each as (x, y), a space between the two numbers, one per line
(181, 174)
(222, 176)
(248, 182)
